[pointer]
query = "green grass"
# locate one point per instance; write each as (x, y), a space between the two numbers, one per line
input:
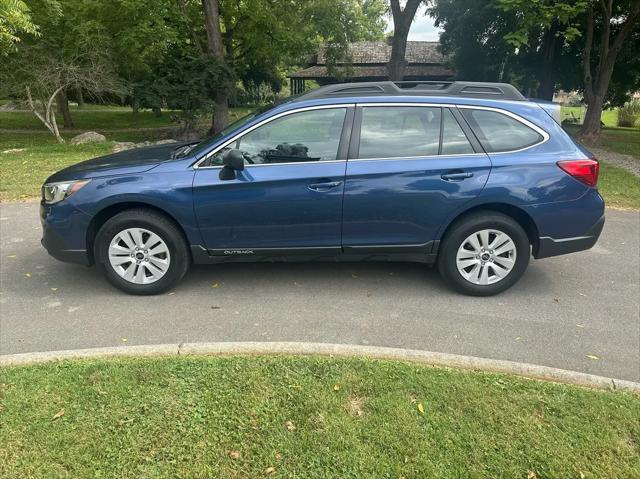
(98, 117)
(618, 187)
(103, 119)
(22, 173)
(609, 117)
(619, 140)
(240, 416)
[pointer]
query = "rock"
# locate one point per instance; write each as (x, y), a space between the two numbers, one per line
(87, 137)
(127, 145)
(123, 145)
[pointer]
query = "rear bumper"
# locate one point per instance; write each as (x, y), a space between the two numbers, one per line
(548, 246)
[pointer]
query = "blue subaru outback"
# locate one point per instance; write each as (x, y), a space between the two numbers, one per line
(472, 177)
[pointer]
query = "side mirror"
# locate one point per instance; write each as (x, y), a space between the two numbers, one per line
(233, 161)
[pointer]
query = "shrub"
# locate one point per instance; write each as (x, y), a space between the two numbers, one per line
(628, 115)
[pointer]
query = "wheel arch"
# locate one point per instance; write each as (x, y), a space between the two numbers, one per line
(517, 214)
(111, 210)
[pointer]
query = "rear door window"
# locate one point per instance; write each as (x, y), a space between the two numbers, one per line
(499, 132)
(399, 132)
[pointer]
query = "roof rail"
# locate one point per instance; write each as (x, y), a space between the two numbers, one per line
(496, 91)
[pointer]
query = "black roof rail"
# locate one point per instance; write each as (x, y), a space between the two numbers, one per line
(466, 89)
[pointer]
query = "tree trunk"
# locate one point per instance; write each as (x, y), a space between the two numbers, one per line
(63, 107)
(591, 124)
(597, 85)
(48, 117)
(546, 76)
(397, 62)
(80, 97)
(220, 117)
(401, 25)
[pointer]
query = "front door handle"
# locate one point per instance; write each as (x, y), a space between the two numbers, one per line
(456, 176)
(324, 186)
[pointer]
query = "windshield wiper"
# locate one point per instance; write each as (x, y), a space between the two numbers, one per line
(182, 150)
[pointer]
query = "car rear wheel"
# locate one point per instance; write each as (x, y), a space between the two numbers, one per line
(141, 252)
(484, 254)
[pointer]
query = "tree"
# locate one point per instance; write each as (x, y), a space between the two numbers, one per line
(187, 81)
(402, 19)
(15, 19)
(473, 37)
(541, 44)
(617, 25)
(580, 18)
(259, 43)
(67, 55)
(215, 48)
(44, 78)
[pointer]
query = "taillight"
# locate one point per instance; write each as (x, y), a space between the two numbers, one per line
(585, 171)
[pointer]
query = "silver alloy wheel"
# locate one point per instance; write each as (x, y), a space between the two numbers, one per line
(486, 257)
(139, 256)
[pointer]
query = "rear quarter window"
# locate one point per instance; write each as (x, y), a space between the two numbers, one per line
(498, 132)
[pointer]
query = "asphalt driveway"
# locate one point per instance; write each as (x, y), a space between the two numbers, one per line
(578, 312)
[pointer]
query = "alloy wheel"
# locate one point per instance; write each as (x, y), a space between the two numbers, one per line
(139, 255)
(486, 257)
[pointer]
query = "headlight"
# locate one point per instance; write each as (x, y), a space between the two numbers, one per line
(56, 192)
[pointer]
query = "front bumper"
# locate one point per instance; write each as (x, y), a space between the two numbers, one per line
(63, 234)
(548, 246)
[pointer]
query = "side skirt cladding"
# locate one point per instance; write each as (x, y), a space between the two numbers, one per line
(425, 253)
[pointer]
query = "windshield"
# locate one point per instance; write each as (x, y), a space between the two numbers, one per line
(207, 142)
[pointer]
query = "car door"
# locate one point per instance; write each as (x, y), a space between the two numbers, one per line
(288, 198)
(410, 167)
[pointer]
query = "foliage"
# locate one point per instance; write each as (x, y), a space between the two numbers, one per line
(15, 19)
(473, 35)
(310, 417)
(504, 40)
(534, 13)
(629, 114)
(185, 81)
(260, 43)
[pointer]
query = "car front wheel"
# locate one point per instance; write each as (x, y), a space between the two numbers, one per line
(141, 252)
(484, 254)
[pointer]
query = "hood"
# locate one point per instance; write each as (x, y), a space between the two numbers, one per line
(136, 160)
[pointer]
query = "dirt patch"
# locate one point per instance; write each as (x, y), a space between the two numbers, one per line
(628, 162)
(355, 405)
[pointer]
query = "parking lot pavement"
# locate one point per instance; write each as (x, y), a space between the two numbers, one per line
(579, 312)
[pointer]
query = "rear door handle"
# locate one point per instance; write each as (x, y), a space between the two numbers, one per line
(457, 176)
(324, 186)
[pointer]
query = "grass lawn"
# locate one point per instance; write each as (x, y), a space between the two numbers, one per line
(619, 140)
(306, 417)
(23, 172)
(89, 119)
(609, 117)
(94, 117)
(618, 187)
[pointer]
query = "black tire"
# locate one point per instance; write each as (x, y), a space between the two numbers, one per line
(467, 226)
(153, 222)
